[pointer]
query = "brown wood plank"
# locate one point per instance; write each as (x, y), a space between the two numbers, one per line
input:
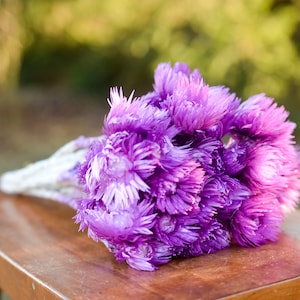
(42, 256)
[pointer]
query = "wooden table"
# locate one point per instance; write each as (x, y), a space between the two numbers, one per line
(42, 256)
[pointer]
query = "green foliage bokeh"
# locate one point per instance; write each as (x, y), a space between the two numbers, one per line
(90, 45)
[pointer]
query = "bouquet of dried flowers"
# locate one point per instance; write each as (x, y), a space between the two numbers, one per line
(182, 171)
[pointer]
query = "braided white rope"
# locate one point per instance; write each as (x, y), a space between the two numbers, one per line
(53, 178)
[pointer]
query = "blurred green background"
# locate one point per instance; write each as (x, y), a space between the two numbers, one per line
(59, 58)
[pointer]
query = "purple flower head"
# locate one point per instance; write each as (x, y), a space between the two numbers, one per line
(289, 198)
(166, 78)
(195, 106)
(135, 115)
(270, 168)
(162, 253)
(138, 255)
(119, 225)
(115, 175)
(222, 196)
(95, 148)
(177, 230)
(235, 155)
(143, 254)
(289, 194)
(176, 184)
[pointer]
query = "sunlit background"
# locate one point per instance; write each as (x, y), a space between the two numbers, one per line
(59, 58)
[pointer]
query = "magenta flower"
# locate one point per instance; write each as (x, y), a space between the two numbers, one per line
(177, 231)
(257, 221)
(289, 194)
(290, 197)
(264, 169)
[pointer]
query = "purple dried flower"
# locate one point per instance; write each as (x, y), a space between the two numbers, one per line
(235, 155)
(115, 175)
(221, 197)
(289, 198)
(142, 254)
(289, 194)
(192, 106)
(177, 230)
(176, 190)
(166, 78)
(162, 253)
(266, 167)
(94, 149)
(208, 152)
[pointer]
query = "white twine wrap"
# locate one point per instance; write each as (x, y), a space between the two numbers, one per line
(53, 178)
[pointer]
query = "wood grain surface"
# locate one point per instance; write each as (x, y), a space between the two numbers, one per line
(43, 256)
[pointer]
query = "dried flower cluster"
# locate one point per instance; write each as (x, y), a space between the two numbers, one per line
(187, 170)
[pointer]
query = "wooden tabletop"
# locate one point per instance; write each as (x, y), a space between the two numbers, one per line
(42, 256)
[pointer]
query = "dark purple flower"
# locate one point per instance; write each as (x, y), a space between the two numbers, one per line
(211, 237)
(221, 197)
(235, 155)
(208, 152)
(177, 230)
(162, 253)
(175, 190)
